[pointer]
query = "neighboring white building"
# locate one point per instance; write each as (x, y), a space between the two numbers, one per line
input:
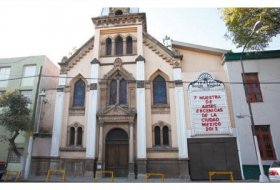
(263, 68)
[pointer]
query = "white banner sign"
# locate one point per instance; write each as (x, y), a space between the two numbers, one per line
(208, 105)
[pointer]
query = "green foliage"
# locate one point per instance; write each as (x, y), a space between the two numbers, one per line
(15, 112)
(240, 22)
(14, 115)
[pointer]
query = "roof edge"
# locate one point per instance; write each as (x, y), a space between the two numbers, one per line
(269, 54)
(199, 47)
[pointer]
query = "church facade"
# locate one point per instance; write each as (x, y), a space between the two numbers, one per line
(129, 104)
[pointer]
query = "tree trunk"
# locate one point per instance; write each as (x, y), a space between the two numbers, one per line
(13, 144)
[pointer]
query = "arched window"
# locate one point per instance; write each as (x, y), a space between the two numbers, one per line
(72, 136)
(113, 92)
(118, 12)
(79, 136)
(108, 46)
(123, 92)
(128, 45)
(161, 135)
(159, 90)
(119, 45)
(79, 94)
(157, 136)
(165, 135)
(75, 135)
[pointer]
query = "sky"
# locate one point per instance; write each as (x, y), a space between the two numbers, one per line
(54, 27)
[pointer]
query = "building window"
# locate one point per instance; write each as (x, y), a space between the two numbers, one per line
(159, 90)
(29, 72)
(265, 142)
(72, 136)
(12, 157)
(157, 136)
(79, 136)
(123, 92)
(27, 94)
(75, 135)
(118, 91)
(119, 45)
(4, 76)
(252, 87)
(113, 92)
(79, 94)
(128, 45)
(165, 135)
(108, 46)
(161, 134)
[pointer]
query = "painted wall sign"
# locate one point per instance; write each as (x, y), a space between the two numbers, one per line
(208, 105)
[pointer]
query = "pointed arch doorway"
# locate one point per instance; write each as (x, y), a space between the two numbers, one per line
(116, 152)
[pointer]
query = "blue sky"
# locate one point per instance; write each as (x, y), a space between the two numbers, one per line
(53, 28)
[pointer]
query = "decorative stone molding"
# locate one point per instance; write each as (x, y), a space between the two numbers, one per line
(118, 68)
(76, 124)
(161, 109)
(177, 63)
(120, 20)
(73, 111)
(67, 63)
(165, 53)
(116, 113)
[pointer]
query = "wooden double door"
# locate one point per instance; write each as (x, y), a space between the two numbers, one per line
(116, 152)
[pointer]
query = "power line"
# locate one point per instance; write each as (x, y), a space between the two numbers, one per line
(147, 81)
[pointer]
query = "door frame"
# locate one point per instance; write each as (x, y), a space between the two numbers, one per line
(117, 142)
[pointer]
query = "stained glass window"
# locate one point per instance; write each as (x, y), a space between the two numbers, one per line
(79, 94)
(157, 135)
(123, 92)
(128, 45)
(113, 92)
(108, 46)
(165, 134)
(159, 90)
(119, 45)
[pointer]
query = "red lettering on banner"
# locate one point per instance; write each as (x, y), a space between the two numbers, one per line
(209, 112)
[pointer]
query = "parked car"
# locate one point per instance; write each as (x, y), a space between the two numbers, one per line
(3, 167)
(274, 172)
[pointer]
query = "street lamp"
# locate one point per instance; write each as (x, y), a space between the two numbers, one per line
(263, 177)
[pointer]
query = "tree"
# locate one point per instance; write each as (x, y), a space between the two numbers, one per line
(14, 116)
(240, 22)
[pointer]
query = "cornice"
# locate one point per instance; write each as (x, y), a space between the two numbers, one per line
(120, 20)
(172, 57)
(67, 63)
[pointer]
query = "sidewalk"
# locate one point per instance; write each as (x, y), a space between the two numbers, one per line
(90, 179)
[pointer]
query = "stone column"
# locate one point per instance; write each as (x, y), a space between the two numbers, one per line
(100, 149)
(181, 123)
(131, 174)
(58, 122)
(92, 110)
(58, 116)
(141, 117)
